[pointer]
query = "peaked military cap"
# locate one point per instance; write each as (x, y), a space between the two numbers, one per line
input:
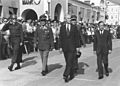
(42, 18)
(73, 17)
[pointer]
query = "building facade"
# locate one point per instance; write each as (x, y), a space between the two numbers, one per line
(56, 9)
(113, 12)
(8, 7)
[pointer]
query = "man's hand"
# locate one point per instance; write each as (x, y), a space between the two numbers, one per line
(51, 48)
(60, 50)
(35, 45)
(77, 49)
(110, 51)
(94, 52)
(84, 45)
(21, 44)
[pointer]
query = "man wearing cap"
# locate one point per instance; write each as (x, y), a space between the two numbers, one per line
(102, 47)
(69, 43)
(16, 39)
(81, 41)
(44, 39)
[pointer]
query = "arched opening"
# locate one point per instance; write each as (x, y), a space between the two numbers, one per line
(29, 14)
(59, 13)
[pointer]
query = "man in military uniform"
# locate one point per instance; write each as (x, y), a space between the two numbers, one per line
(16, 39)
(81, 41)
(44, 39)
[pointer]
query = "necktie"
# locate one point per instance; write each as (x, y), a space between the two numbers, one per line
(101, 32)
(67, 29)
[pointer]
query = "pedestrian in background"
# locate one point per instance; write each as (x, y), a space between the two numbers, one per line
(44, 39)
(102, 47)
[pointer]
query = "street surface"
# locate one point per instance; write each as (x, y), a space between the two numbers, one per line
(30, 73)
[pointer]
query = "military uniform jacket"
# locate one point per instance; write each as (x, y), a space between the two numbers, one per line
(16, 31)
(102, 42)
(44, 37)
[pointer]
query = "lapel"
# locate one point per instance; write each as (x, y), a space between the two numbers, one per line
(101, 35)
(66, 30)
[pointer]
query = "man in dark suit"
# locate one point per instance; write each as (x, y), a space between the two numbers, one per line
(69, 43)
(102, 47)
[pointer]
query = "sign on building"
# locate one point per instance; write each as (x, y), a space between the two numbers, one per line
(31, 2)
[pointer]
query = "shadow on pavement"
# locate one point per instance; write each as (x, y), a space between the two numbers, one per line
(52, 67)
(82, 66)
(29, 58)
(29, 61)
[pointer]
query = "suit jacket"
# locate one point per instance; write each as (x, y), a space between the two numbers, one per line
(102, 42)
(45, 38)
(69, 42)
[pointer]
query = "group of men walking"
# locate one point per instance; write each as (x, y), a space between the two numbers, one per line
(70, 37)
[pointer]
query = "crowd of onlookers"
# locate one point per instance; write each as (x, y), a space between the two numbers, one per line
(29, 27)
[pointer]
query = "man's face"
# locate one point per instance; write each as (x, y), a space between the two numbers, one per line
(5, 20)
(68, 19)
(73, 22)
(42, 23)
(29, 21)
(14, 20)
(55, 24)
(101, 25)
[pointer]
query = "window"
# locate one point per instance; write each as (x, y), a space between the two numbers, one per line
(111, 17)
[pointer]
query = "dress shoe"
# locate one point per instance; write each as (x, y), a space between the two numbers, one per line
(66, 79)
(46, 70)
(71, 77)
(43, 73)
(18, 67)
(107, 74)
(10, 68)
(100, 77)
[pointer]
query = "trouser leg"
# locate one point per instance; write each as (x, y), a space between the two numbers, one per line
(15, 47)
(69, 57)
(44, 58)
(105, 62)
(99, 64)
(75, 63)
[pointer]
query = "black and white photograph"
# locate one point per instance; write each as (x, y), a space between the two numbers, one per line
(59, 42)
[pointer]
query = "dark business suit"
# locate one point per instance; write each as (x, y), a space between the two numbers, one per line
(102, 45)
(69, 43)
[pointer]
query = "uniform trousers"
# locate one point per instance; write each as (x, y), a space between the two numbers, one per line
(44, 57)
(15, 42)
